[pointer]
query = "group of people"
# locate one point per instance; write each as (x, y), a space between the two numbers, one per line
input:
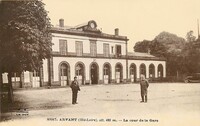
(144, 84)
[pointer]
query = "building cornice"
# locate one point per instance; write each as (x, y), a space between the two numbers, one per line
(88, 34)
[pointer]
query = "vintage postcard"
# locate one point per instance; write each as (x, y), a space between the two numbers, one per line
(100, 62)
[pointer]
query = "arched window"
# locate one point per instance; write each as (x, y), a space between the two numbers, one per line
(94, 73)
(143, 69)
(118, 72)
(64, 74)
(151, 71)
(106, 73)
(133, 72)
(80, 72)
(160, 70)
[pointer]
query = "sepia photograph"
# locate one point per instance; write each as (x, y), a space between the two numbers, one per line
(99, 62)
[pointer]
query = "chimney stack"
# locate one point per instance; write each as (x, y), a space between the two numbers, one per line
(117, 31)
(61, 22)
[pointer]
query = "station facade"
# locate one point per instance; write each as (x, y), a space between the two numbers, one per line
(93, 57)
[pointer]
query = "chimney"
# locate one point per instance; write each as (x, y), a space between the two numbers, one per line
(117, 31)
(61, 22)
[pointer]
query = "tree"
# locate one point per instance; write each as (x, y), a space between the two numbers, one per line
(190, 37)
(142, 46)
(153, 47)
(25, 38)
(192, 58)
(165, 45)
(172, 42)
(158, 49)
(174, 46)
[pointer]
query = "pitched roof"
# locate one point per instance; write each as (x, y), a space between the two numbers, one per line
(140, 54)
(143, 56)
(82, 31)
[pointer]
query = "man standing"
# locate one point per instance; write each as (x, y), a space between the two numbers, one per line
(144, 84)
(75, 88)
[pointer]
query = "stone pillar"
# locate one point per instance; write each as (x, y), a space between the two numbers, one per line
(156, 71)
(87, 74)
(138, 71)
(147, 70)
(100, 74)
(164, 69)
(50, 71)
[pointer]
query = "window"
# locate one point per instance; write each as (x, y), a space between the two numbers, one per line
(79, 48)
(63, 70)
(36, 73)
(15, 77)
(93, 48)
(79, 70)
(118, 50)
(112, 48)
(106, 49)
(63, 46)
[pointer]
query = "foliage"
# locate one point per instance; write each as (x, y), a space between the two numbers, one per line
(142, 46)
(190, 37)
(165, 45)
(158, 49)
(192, 58)
(25, 37)
(172, 42)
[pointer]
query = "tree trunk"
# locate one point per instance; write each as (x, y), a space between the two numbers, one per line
(10, 88)
(1, 80)
(1, 83)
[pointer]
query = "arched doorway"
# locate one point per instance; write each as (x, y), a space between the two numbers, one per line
(133, 72)
(64, 74)
(160, 70)
(94, 72)
(80, 72)
(106, 73)
(151, 71)
(118, 73)
(143, 69)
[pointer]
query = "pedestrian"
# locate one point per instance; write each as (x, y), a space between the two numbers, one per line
(144, 84)
(75, 88)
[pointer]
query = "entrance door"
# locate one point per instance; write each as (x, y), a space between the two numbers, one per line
(94, 74)
(118, 73)
(80, 73)
(36, 79)
(118, 77)
(133, 73)
(64, 74)
(143, 70)
(106, 74)
(151, 71)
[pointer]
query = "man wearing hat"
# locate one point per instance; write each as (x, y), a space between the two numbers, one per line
(144, 84)
(75, 88)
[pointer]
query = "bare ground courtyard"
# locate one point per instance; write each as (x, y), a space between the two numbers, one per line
(168, 103)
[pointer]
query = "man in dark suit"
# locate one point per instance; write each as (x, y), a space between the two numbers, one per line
(75, 88)
(144, 84)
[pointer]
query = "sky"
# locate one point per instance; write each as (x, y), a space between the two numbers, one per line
(136, 19)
